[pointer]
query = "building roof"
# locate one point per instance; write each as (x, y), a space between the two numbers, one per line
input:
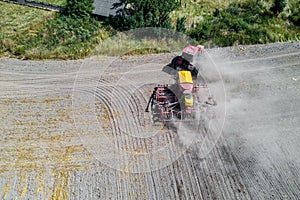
(105, 7)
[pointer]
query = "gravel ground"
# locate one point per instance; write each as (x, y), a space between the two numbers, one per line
(78, 130)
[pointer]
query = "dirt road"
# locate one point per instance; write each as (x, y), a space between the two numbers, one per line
(78, 130)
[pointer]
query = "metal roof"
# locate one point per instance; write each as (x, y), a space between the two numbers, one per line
(105, 7)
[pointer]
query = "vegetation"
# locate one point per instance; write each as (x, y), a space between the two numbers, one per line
(138, 42)
(140, 13)
(248, 22)
(54, 2)
(77, 9)
(278, 6)
(294, 12)
(16, 31)
(67, 37)
(73, 34)
(40, 34)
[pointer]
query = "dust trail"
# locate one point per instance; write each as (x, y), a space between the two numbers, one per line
(206, 129)
(262, 122)
(186, 134)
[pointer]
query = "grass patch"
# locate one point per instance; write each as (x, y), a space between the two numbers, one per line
(55, 2)
(146, 51)
(19, 25)
(67, 38)
(31, 33)
(142, 41)
(196, 11)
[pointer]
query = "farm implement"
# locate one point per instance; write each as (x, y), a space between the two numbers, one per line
(181, 100)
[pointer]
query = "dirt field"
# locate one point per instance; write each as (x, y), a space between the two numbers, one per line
(78, 130)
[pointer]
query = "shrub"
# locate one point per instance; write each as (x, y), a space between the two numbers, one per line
(79, 8)
(139, 13)
(248, 23)
(295, 13)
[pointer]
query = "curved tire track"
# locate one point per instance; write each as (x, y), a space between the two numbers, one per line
(257, 156)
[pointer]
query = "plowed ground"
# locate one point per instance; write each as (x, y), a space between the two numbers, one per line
(78, 130)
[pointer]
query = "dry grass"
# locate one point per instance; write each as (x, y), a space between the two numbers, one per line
(127, 44)
(55, 2)
(18, 25)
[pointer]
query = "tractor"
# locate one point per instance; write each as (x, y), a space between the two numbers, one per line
(178, 101)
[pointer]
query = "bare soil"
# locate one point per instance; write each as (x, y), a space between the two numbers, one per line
(78, 130)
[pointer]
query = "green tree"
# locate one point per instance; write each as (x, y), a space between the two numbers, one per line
(73, 31)
(143, 13)
(79, 8)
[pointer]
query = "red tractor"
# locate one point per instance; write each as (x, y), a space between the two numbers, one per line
(179, 100)
(175, 101)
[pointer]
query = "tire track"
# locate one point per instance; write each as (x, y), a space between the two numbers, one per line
(136, 107)
(240, 166)
(188, 193)
(118, 107)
